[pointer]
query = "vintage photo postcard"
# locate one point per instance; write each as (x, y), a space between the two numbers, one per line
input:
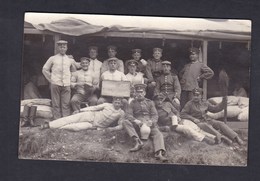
(135, 89)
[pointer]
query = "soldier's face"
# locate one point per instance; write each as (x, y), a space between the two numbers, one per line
(117, 104)
(158, 102)
(132, 68)
(157, 55)
(197, 97)
(166, 69)
(84, 64)
(139, 95)
(111, 53)
(112, 65)
(62, 49)
(136, 56)
(93, 54)
(194, 56)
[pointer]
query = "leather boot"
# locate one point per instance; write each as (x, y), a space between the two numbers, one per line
(239, 140)
(160, 157)
(218, 139)
(208, 140)
(32, 115)
(226, 140)
(25, 116)
(138, 145)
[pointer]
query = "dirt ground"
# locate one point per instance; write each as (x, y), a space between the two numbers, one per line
(103, 146)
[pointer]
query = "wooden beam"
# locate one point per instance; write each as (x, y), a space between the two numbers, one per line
(205, 61)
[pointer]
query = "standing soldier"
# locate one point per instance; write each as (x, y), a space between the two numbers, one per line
(169, 84)
(142, 116)
(112, 51)
(193, 73)
(95, 64)
(154, 70)
(57, 71)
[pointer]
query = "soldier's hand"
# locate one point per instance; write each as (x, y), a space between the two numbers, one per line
(143, 62)
(138, 122)
(153, 83)
(196, 121)
(149, 123)
(176, 100)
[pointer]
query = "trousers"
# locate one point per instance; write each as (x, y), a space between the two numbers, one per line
(60, 98)
(77, 99)
(76, 122)
(185, 97)
(156, 135)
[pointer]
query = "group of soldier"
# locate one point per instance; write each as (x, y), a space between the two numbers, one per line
(158, 100)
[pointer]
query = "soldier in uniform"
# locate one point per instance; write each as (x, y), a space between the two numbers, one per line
(142, 112)
(112, 51)
(193, 73)
(84, 82)
(196, 109)
(169, 84)
(154, 70)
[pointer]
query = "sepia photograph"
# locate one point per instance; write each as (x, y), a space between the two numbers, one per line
(135, 89)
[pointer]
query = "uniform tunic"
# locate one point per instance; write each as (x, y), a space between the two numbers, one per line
(169, 85)
(153, 69)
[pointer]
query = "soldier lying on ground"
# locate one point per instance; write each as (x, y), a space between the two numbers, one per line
(100, 116)
(169, 120)
(196, 109)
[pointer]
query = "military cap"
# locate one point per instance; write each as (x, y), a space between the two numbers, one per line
(132, 62)
(136, 51)
(117, 98)
(197, 90)
(140, 87)
(159, 96)
(194, 50)
(84, 58)
(93, 48)
(157, 50)
(112, 59)
(111, 47)
(61, 42)
(166, 62)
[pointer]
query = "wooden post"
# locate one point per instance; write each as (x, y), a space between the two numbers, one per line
(205, 60)
(56, 38)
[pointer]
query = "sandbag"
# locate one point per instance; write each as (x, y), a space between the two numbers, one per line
(46, 102)
(231, 100)
(42, 111)
(243, 116)
(243, 102)
(232, 111)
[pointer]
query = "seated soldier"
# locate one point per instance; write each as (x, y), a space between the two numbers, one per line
(112, 51)
(141, 116)
(111, 74)
(133, 76)
(195, 110)
(239, 90)
(100, 116)
(30, 89)
(169, 84)
(85, 84)
(141, 63)
(169, 120)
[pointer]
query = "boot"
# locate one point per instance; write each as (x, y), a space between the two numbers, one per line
(32, 115)
(239, 140)
(226, 140)
(25, 116)
(160, 157)
(138, 145)
(208, 140)
(218, 139)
